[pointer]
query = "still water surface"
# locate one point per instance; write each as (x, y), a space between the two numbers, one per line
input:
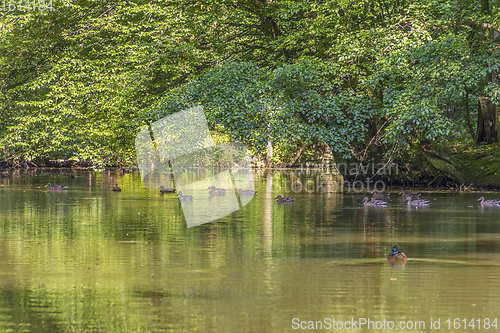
(91, 260)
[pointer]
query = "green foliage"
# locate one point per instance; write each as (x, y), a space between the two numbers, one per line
(429, 76)
(73, 80)
(287, 106)
(78, 82)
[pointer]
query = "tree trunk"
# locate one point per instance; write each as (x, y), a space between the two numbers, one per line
(488, 122)
(292, 162)
(269, 155)
(485, 6)
(467, 115)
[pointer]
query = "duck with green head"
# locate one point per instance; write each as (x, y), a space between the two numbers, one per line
(397, 255)
(166, 189)
(116, 188)
(55, 187)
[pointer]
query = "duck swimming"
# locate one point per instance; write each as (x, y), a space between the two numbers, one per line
(185, 197)
(216, 191)
(396, 255)
(417, 202)
(166, 190)
(55, 187)
(373, 203)
(246, 192)
(488, 202)
(279, 198)
(380, 194)
(414, 196)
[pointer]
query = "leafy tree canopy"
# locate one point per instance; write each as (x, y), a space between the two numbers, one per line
(76, 83)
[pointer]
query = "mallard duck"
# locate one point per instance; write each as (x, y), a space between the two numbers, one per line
(414, 196)
(116, 188)
(417, 202)
(185, 197)
(491, 202)
(279, 198)
(216, 191)
(166, 189)
(396, 255)
(373, 203)
(380, 194)
(55, 187)
(246, 192)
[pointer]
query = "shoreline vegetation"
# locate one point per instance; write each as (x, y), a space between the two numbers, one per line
(412, 84)
(481, 170)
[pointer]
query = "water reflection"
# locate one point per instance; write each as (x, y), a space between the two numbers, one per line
(88, 259)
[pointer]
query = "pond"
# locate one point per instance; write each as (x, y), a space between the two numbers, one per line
(88, 259)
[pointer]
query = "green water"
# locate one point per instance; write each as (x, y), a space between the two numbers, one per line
(91, 260)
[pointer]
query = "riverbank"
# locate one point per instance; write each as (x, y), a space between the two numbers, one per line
(481, 169)
(482, 164)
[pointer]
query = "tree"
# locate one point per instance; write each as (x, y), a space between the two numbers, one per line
(74, 80)
(288, 106)
(401, 75)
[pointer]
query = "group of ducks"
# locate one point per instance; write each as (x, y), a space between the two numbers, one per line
(212, 191)
(51, 187)
(215, 192)
(397, 256)
(413, 199)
